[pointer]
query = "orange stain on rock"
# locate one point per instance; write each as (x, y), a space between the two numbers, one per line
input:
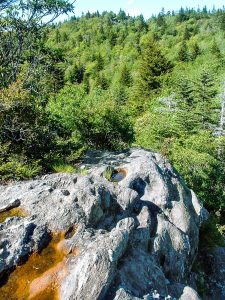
(49, 282)
(14, 212)
(40, 277)
(119, 174)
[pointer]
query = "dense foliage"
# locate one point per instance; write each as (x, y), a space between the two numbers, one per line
(108, 81)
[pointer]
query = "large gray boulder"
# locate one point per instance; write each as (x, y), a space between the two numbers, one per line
(189, 293)
(18, 239)
(183, 292)
(96, 264)
(132, 236)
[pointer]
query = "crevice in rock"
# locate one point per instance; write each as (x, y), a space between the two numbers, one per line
(139, 186)
(162, 260)
(154, 211)
(10, 206)
(70, 232)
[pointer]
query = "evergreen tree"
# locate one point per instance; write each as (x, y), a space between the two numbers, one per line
(185, 93)
(205, 11)
(185, 118)
(88, 15)
(196, 51)
(222, 20)
(140, 23)
(86, 83)
(119, 94)
(216, 50)
(183, 52)
(182, 16)
(160, 21)
(101, 81)
(125, 76)
(57, 36)
(186, 33)
(153, 66)
(112, 38)
(99, 63)
(205, 93)
(122, 15)
(65, 36)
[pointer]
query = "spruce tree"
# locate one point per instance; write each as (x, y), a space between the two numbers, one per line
(125, 76)
(185, 92)
(57, 36)
(185, 118)
(205, 94)
(196, 51)
(183, 52)
(153, 66)
(75, 74)
(99, 63)
(186, 33)
(215, 49)
(122, 15)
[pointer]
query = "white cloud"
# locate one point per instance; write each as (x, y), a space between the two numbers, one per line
(130, 2)
(134, 11)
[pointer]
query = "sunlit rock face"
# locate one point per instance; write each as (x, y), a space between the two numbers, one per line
(126, 233)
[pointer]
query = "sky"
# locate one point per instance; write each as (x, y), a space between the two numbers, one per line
(137, 7)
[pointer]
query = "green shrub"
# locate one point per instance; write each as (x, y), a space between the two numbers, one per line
(61, 167)
(16, 169)
(108, 173)
(200, 282)
(96, 120)
(210, 236)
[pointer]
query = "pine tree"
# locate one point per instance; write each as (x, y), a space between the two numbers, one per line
(186, 120)
(185, 92)
(101, 81)
(215, 49)
(181, 16)
(75, 74)
(205, 94)
(140, 23)
(186, 34)
(222, 20)
(112, 38)
(125, 76)
(88, 15)
(122, 15)
(57, 36)
(65, 36)
(205, 10)
(183, 52)
(99, 63)
(86, 83)
(153, 66)
(196, 51)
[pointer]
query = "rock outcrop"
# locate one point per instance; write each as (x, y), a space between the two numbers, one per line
(122, 238)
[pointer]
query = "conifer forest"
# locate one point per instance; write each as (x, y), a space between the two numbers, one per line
(109, 81)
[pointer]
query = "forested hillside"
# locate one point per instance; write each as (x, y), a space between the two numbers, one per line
(110, 81)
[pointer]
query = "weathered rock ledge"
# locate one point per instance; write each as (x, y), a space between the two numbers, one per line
(121, 239)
